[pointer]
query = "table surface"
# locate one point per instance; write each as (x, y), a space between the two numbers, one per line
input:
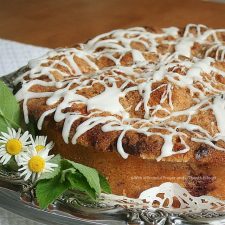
(58, 23)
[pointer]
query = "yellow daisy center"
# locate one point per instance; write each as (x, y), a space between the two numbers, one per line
(39, 148)
(14, 146)
(36, 164)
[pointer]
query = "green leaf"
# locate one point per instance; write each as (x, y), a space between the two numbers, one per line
(69, 176)
(104, 184)
(12, 165)
(89, 173)
(4, 124)
(47, 191)
(32, 128)
(79, 182)
(57, 170)
(65, 173)
(10, 115)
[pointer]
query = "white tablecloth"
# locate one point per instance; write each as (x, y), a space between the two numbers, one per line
(12, 56)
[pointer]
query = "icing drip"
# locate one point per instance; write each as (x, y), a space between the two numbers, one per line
(218, 107)
(136, 64)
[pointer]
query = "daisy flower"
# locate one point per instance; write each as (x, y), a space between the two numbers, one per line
(40, 143)
(34, 163)
(12, 144)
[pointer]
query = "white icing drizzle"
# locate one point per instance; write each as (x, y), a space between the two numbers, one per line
(218, 107)
(64, 72)
(184, 47)
(110, 96)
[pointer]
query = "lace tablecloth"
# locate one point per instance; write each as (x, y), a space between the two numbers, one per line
(12, 56)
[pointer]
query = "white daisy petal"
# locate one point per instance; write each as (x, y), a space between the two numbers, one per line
(24, 172)
(51, 164)
(49, 157)
(44, 140)
(21, 169)
(2, 150)
(25, 136)
(7, 136)
(3, 139)
(1, 160)
(5, 159)
(32, 141)
(40, 144)
(11, 133)
(50, 145)
(28, 175)
(34, 177)
(2, 153)
(17, 134)
(43, 153)
(38, 157)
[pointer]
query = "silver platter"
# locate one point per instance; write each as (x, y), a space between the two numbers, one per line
(18, 197)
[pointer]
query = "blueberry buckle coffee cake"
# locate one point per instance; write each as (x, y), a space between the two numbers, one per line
(144, 106)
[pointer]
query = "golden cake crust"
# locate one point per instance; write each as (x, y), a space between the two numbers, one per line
(188, 89)
(132, 176)
(135, 144)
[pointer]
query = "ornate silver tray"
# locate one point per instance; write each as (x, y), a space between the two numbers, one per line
(71, 208)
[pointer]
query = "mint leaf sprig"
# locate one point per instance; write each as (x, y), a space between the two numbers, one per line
(69, 176)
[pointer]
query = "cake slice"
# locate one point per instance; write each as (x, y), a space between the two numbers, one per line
(142, 105)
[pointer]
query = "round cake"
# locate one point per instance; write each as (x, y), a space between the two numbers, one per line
(144, 106)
